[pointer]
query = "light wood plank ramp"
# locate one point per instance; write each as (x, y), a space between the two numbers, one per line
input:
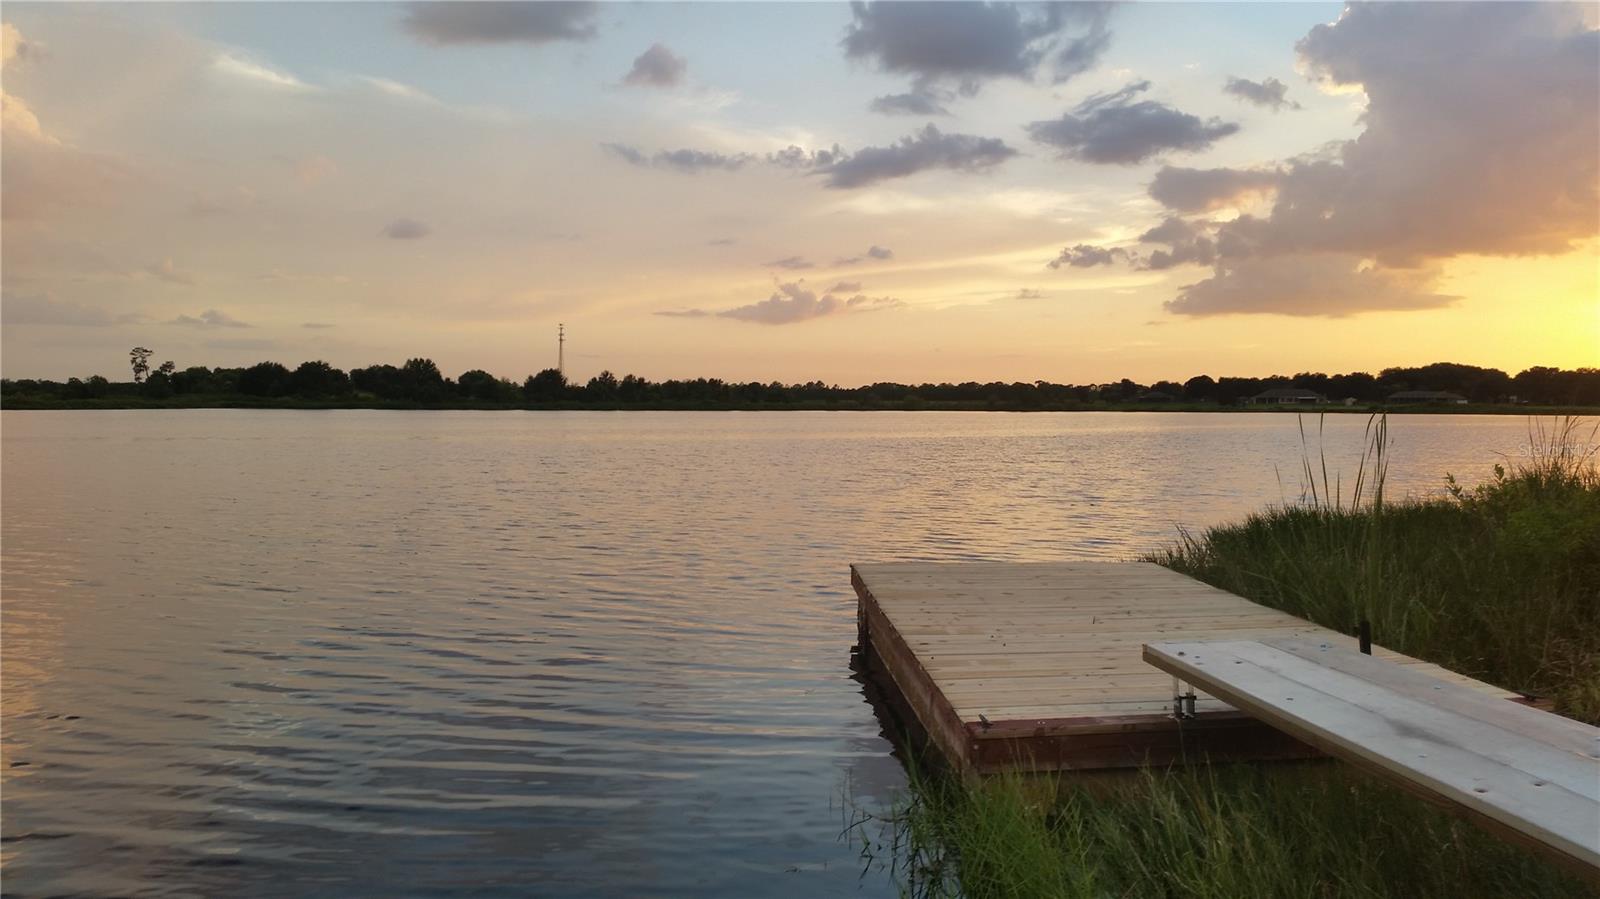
(1526, 773)
(1037, 665)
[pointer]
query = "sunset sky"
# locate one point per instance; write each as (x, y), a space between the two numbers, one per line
(765, 191)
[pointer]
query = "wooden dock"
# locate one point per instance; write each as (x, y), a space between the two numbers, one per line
(1527, 774)
(1038, 666)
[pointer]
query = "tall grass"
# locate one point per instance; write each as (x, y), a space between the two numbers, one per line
(1219, 832)
(1500, 580)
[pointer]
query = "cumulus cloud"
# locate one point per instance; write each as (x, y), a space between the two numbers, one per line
(657, 67)
(405, 229)
(484, 22)
(43, 172)
(926, 149)
(1188, 243)
(1481, 137)
(1203, 190)
(794, 302)
(13, 46)
(1116, 128)
(209, 319)
(1306, 284)
(1269, 92)
(25, 309)
(963, 44)
(790, 262)
(1085, 256)
(793, 157)
(686, 161)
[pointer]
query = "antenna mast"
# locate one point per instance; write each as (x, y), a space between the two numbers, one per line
(561, 348)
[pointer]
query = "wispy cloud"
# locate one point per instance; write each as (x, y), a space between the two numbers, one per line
(209, 320)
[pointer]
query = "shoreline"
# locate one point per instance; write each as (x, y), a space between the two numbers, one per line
(121, 403)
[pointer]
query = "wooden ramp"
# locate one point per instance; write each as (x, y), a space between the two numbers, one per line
(1523, 772)
(1037, 665)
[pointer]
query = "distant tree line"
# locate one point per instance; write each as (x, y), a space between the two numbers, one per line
(419, 382)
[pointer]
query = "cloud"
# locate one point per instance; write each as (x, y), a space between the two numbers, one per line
(722, 241)
(1028, 293)
(480, 22)
(789, 262)
(686, 161)
(257, 74)
(316, 326)
(966, 43)
(657, 67)
(1187, 243)
(926, 149)
(873, 252)
(1203, 190)
(405, 229)
(1085, 256)
(921, 101)
(24, 309)
(793, 157)
(209, 320)
(1302, 285)
(166, 271)
(14, 47)
(43, 172)
(794, 302)
(1481, 136)
(1270, 93)
(398, 90)
(1116, 129)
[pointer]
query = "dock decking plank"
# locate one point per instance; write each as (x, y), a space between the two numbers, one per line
(1529, 773)
(1048, 654)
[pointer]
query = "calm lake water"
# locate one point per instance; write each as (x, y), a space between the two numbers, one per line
(256, 653)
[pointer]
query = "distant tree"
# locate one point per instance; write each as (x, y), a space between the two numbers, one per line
(167, 368)
(382, 381)
(96, 386)
(546, 386)
(139, 358)
(480, 385)
(318, 379)
(192, 380)
(601, 387)
(420, 380)
(264, 379)
(1200, 389)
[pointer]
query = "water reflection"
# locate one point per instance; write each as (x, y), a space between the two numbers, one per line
(252, 653)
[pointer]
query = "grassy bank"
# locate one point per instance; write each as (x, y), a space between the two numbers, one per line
(1500, 580)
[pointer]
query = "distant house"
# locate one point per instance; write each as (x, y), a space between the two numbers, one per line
(1406, 397)
(1286, 396)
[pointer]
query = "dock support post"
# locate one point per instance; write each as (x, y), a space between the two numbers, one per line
(1364, 635)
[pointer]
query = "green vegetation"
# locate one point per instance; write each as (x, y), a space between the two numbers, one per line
(1501, 581)
(419, 384)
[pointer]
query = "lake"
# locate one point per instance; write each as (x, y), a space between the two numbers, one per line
(365, 653)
